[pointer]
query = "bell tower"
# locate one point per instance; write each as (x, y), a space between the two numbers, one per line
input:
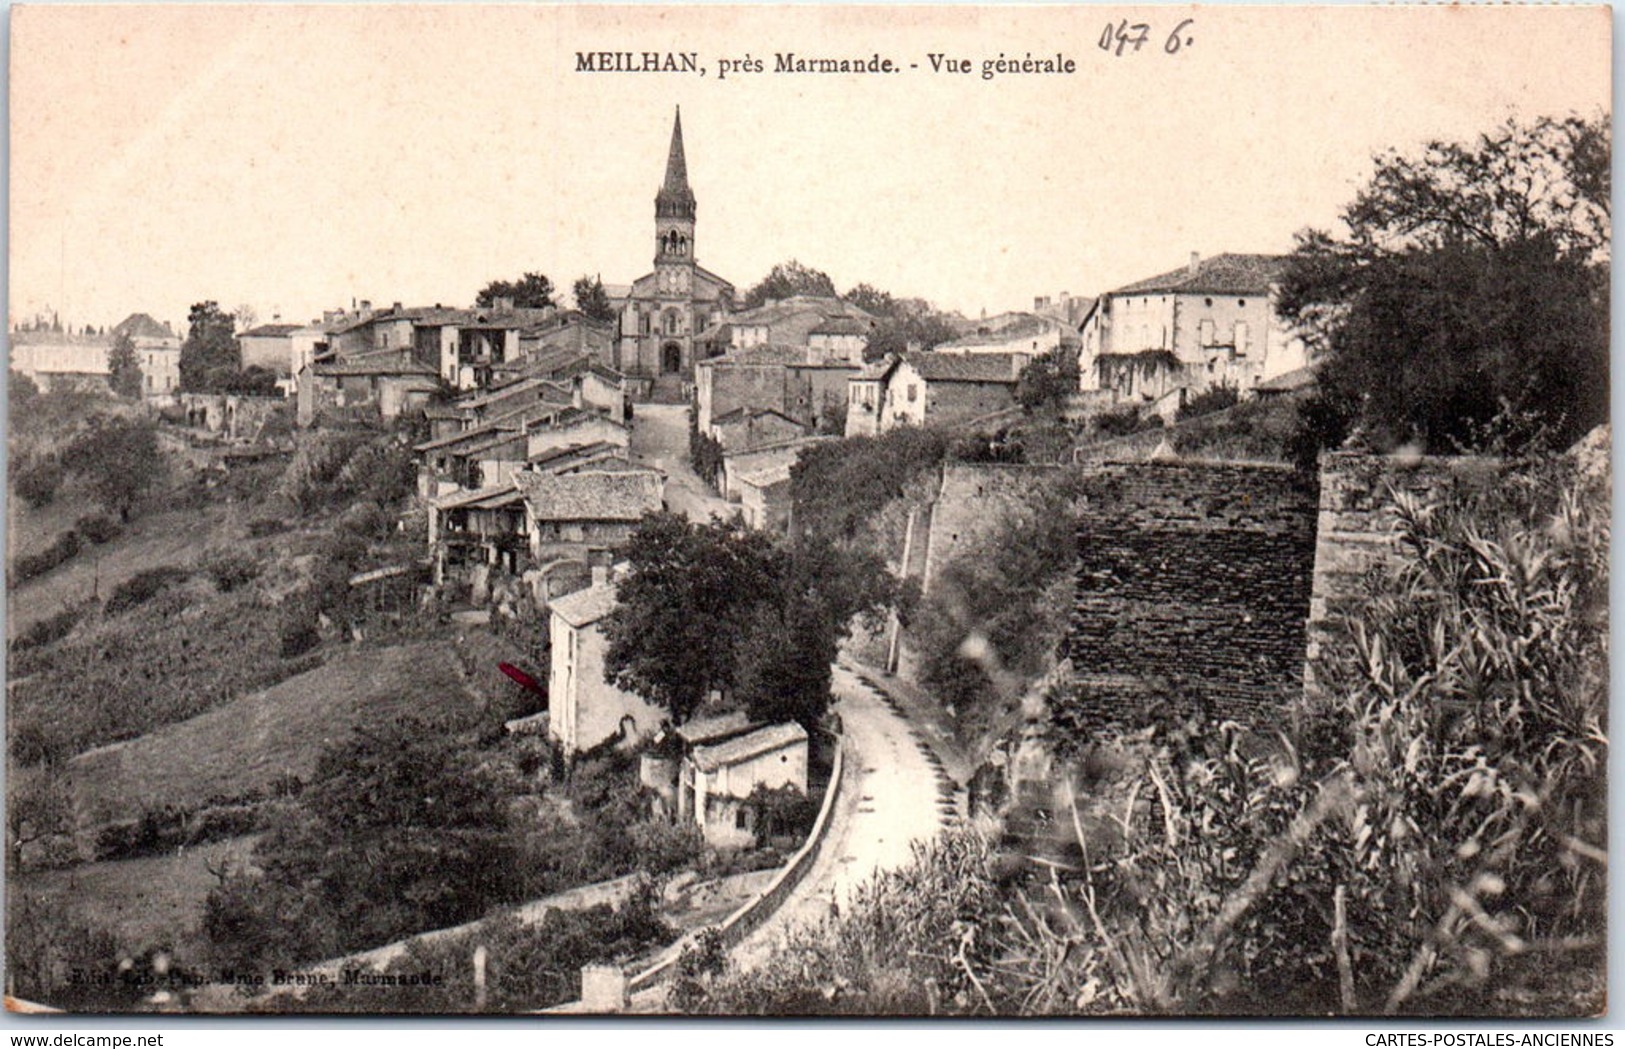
(674, 221)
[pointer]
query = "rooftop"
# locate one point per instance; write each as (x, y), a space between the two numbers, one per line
(965, 367)
(591, 495)
(713, 729)
(1227, 274)
(271, 331)
(584, 607)
(742, 748)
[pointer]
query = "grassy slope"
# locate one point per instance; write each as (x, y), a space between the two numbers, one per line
(247, 743)
(155, 899)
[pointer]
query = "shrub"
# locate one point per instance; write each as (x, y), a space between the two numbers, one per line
(98, 528)
(35, 565)
(49, 630)
(1213, 399)
(144, 586)
(229, 569)
(37, 481)
(1118, 422)
(262, 527)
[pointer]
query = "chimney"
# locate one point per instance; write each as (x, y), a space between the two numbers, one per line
(1040, 303)
(599, 561)
(1196, 263)
(397, 307)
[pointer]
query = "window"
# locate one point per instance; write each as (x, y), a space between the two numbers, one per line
(741, 819)
(913, 393)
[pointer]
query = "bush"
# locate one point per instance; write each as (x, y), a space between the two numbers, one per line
(229, 569)
(36, 482)
(49, 630)
(1213, 399)
(144, 586)
(1118, 422)
(98, 528)
(263, 527)
(35, 565)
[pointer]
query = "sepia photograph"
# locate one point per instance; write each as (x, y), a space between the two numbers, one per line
(836, 510)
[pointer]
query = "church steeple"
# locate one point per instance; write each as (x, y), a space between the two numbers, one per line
(675, 200)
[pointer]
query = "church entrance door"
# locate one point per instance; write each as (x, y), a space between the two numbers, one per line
(671, 358)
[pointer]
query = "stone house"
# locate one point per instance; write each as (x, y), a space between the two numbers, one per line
(764, 496)
(1212, 323)
(928, 388)
(158, 349)
(584, 710)
(385, 385)
(737, 464)
(591, 509)
(58, 360)
(715, 779)
(746, 428)
(791, 380)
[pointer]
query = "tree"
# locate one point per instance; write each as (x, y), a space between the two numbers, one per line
(533, 291)
(872, 300)
(123, 367)
(683, 607)
(210, 352)
(1467, 308)
(592, 300)
(400, 830)
(787, 279)
(121, 460)
(246, 316)
(1041, 384)
(23, 392)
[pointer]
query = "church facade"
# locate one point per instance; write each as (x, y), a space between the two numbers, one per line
(663, 311)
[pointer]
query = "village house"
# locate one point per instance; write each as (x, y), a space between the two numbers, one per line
(59, 360)
(384, 385)
(283, 349)
(764, 496)
(831, 327)
(157, 348)
(744, 461)
(716, 779)
(1212, 323)
(746, 428)
(574, 332)
(584, 710)
(566, 514)
(791, 380)
(1027, 333)
(928, 388)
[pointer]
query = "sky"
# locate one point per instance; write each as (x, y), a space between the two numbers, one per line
(296, 158)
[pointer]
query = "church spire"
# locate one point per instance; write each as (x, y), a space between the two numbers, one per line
(675, 199)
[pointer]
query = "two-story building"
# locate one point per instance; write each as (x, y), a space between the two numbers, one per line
(926, 388)
(1211, 323)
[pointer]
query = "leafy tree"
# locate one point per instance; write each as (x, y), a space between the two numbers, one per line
(1041, 384)
(1468, 305)
(592, 300)
(684, 606)
(533, 291)
(36, 479)
(120, 459)
(398, 831)
(837, 486)
(124, 367)
(871, 299)
(24, 392)
(253, 381)
(787, 279)
(210, 352)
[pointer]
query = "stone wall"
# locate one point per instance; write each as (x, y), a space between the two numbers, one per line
(1355, 532)
(1193, 589)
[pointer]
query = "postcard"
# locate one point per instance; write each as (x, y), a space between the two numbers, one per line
(965, 511)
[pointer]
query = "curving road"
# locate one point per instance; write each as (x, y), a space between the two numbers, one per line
(660, 439)
(896, 793)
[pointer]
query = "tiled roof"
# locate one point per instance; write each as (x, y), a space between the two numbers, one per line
(742, 414)
(584, 607)
(512, 389)
(743, 748)
(964, 367)
(271, 331)
(766, 353)
(767, 476)
(593, 495)
(1227, 274)
(362, 366)
(556, 458)
(842, 326)
(485, 498)
(712, 729)
(495, 440)
(142, 326)
(774, 312)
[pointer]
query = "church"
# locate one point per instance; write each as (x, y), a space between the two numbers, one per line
(663, 311)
